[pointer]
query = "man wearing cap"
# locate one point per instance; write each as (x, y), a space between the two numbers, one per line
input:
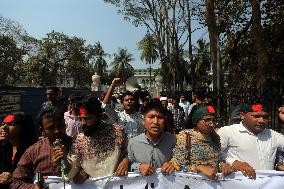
(250, 146)
(101, 150)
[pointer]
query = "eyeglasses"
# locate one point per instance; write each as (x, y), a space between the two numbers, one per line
(209, 121)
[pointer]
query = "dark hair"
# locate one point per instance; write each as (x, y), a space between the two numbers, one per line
(28, 128)
(92, 105)
(200, 93)
(55, 89)
(154, 105)
(75, 100)
(126, 93)
(47, 112)
(27, 135)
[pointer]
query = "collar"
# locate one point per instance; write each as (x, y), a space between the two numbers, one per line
(145, 139)
(242, 128)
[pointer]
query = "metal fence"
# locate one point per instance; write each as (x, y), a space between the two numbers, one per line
(271, 98)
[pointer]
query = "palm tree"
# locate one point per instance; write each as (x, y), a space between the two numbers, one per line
(121, 64)
(202, 61)
(148, 46)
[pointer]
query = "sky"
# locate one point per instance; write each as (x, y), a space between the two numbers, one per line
(92, 20)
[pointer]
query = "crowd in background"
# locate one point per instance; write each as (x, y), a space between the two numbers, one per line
(113, 134)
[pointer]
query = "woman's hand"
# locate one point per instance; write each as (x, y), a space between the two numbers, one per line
(211, 173)
(167, 168)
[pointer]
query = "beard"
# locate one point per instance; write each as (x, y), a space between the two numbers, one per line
(89, 130)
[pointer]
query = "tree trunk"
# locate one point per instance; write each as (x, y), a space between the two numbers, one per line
(213, 37)
(259, 43)
(192, 66)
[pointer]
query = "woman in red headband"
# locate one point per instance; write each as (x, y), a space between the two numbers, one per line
(17, 132)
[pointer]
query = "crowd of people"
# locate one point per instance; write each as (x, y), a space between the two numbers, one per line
(94, 137)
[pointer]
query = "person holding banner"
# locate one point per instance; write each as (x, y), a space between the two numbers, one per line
(101, 150)
(152, 149)
(198, 149)
(250, 146)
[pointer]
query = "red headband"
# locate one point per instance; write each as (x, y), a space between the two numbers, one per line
(210, 109)
(83, 111)
(9, 118)
(257, 108)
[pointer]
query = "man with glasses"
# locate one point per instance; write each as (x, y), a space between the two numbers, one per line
(128, 118)
(250, 145)
(101, 150)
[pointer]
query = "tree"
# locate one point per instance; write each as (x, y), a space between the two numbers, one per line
(168, 22)
(10, 54)
(121, 64)
(77, 65)
(59, 58)
(96, 55)
(202, 62)
(149, 51)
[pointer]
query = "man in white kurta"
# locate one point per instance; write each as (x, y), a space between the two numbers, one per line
(250, 145)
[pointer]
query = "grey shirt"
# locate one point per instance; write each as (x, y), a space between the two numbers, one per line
(142, 150)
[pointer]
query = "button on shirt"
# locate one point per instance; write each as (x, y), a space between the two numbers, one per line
(237, 143)
(142, 150)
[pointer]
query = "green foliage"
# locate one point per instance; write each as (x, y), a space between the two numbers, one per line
(96, 55)
(121, 64)
(10, 55)
(148, 46)
(202, 62)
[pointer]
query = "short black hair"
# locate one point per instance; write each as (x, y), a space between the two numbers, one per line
(126, 93)
(200, 92)
(92, 105)
(55, 89)
(47, 112)
(154, 105)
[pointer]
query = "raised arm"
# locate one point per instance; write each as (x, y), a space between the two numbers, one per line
(115, 82)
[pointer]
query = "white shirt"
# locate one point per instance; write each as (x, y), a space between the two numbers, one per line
(185, 105)
(237, 143)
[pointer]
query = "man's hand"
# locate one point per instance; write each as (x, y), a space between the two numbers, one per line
(245, 168)
(122, 168)
(167, 168)
(116, 81)
(146, 169)
(5, 177)
(80, 177)
(211, 173)
(226, 169)
(58, 154)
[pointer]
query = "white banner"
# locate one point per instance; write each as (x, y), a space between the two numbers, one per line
(178, 180)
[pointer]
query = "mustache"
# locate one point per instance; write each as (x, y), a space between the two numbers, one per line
(262, 125)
